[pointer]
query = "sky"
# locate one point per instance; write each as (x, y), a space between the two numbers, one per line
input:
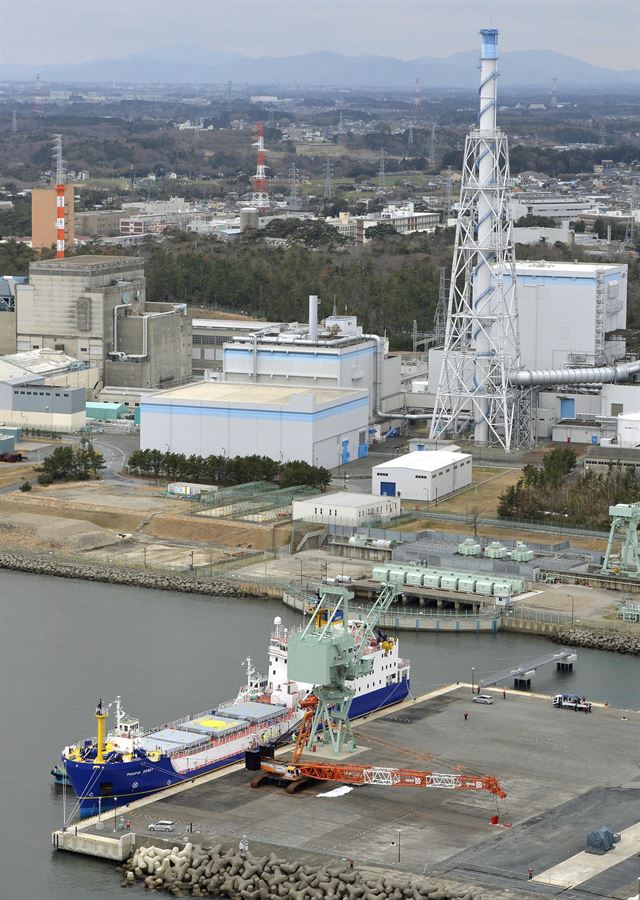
(41, 32)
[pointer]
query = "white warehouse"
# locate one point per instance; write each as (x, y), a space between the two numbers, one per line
(320, 426)
(422, 475)
(346, 508)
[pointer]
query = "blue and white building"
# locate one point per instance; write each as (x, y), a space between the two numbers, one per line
(333, 354)
(320, 425)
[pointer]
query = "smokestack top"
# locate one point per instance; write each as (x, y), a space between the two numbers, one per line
(489, 43)
(313, 317)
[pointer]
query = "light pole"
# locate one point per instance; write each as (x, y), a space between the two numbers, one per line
(570, 596)
(473, 680)
(398, 845)
(300, 561)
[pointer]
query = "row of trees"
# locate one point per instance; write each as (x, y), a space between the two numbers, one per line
(71, 464)
(224, 471)
(550, 493)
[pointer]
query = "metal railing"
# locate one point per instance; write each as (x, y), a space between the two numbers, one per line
(530, 614)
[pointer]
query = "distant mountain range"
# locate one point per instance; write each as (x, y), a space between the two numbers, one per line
(180, 64)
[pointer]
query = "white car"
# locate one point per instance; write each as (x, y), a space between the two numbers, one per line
(162, 825)
(483, 698)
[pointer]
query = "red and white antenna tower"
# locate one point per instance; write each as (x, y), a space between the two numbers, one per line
(416, 96)
(260, 197)
(60, 217)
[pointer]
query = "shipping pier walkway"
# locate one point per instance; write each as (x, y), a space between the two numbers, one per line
(523, 675)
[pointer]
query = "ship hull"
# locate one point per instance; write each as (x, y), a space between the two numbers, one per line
(100, 788)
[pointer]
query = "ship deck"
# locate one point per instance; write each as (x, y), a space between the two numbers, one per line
(565, 773)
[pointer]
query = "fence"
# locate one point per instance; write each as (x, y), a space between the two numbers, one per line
(557, 618)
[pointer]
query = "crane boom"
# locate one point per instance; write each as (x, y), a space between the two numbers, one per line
(391, 777)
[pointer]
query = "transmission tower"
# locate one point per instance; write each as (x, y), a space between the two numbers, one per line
(293, 185)
(14, 123)
(60, 213)
(410, 136)
(416, 95)
(328, 181)
(481, 342)
(260, 197)
(630, 231)
(432, 147)
(37, 98)
(448, 196)
(341, 126)
(382, 178)
(554, 93)
(440, 318)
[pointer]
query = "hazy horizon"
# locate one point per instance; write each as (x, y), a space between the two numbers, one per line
(604, 34)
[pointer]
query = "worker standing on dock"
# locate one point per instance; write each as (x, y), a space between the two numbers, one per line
(504, 694)
(466, 715)
(530, 873)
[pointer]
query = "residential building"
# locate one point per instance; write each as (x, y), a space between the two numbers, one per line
(44, 214)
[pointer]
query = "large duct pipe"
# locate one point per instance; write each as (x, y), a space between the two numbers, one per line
(581, 375)
(313, 317)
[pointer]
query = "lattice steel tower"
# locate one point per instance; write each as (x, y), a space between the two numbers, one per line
(481, 344)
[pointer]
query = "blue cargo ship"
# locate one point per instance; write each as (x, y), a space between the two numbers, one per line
(127, 762)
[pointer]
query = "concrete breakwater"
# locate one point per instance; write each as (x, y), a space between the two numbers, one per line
(219, 872)
(614, 641)
(166, 581)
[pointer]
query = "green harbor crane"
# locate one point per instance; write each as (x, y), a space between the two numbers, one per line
(329, 653)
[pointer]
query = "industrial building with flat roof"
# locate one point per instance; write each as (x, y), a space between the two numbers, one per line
(321, 426)
(94, 309)
(422, 475)
(346, 508)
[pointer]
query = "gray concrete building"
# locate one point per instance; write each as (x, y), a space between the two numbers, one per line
(34, 404)
(94, 308)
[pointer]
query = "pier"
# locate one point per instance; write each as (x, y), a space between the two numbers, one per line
(578, 773)
(523, 675)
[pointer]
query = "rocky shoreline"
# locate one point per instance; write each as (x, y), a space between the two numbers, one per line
(219, 872)
(169, 581)
(613, 641)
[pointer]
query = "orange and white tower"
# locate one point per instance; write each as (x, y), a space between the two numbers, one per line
(60, 217)
(260, 198)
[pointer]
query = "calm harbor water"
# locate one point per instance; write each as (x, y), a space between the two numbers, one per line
(64, 644)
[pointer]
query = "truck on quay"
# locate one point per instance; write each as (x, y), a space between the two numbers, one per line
(571, 701)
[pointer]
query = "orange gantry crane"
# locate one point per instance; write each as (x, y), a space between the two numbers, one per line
(296, 773)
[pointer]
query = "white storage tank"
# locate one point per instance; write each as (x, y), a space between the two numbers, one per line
(484, 586)
(431, 579)
(467, 584)
(397, 576)
(449, 582)
(414, 577)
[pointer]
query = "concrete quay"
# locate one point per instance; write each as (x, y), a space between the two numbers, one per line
(565, 774)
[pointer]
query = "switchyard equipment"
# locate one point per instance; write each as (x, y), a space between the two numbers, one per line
(329, 653)
(625, 518)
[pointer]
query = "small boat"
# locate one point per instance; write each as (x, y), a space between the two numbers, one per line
(59, 775)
